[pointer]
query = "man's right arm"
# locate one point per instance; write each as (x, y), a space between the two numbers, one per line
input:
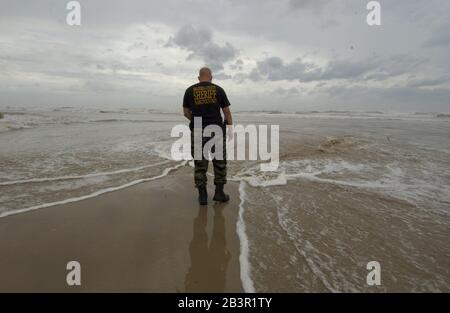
(229, 122)
(225, 105)
(227, 115)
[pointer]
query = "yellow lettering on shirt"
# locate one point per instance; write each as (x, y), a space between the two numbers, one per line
(205, 95)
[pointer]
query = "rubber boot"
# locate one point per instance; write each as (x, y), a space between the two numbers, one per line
(219, 195)
(202, 195)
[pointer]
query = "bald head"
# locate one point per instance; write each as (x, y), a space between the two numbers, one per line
(205, 74)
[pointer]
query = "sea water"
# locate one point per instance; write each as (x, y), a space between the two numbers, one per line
(352, 187)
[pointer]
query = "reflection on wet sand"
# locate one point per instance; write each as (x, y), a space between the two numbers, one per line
(208, 262)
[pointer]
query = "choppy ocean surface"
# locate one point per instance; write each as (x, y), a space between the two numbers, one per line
(352, 187)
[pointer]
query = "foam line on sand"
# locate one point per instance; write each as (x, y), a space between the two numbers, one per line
(94, 194)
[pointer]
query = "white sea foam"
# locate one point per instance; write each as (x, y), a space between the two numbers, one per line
(165, 172)
(391, 179)
(71, 177)
(247, 282)
(295, 169)
(265, 180)
(162, 149)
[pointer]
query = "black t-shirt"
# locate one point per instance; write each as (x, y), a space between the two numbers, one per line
(205, 99)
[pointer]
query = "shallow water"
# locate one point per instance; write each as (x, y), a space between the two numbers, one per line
(348, 192)
(351, 188)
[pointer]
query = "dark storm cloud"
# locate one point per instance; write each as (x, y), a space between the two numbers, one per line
(307, 4)
(401, 98)
(200, 44)
(238, 65)
(439, 38)
(375, 68)
(428, 82)
(274, 69)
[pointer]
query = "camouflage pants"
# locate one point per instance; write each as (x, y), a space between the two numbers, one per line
(201, 166)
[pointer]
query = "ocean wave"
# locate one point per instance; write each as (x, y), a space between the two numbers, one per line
(132, 120)
(356, 115)
(6, 126)
(15, 120)
(392, 179)
(22, 120)
(130, 111)
(333, 142)
(165, 172)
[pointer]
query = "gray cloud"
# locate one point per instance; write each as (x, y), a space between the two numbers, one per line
(403, 98)
(286, 92)
(99, 86)
(222, 76)
(199, 42)
(122, 45)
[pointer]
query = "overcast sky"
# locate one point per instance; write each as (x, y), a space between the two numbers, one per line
(288, 55)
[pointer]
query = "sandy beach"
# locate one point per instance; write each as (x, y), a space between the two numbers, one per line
(152, 237)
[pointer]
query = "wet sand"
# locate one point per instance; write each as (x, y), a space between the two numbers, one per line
(152, 237)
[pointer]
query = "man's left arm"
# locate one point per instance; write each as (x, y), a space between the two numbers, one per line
(187, 113)
(186, 108)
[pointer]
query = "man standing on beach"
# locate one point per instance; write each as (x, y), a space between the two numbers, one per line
(206, 100)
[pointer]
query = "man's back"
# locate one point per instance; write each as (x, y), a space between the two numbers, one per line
(205, 100)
